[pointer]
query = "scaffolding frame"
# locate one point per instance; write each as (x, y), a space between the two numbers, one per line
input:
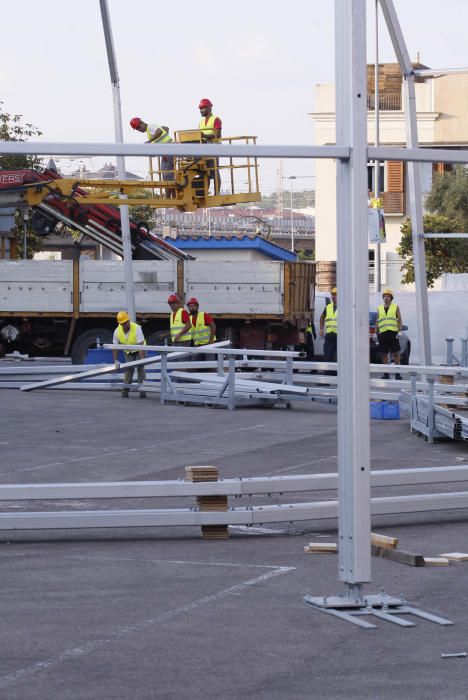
(352, 154)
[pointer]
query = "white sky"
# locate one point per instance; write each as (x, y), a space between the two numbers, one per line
(258, 62)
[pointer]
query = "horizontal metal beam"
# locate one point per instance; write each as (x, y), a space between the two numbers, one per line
(214, 349)
(437, 72)
(227, 487)
(445, 235)
(417, 155)
(171, 149)
(60, 520)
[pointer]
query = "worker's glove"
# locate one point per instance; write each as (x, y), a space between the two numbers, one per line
(321, 333)
(117, 364)
(375, 339)
(397, 335)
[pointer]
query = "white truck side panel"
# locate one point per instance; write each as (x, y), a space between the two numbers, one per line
(102, 285)
(224, 287)
(36, 285)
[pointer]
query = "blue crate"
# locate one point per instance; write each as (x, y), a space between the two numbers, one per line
(376, 409)
(391, 410)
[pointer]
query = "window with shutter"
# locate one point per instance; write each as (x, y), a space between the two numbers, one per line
(394, 196)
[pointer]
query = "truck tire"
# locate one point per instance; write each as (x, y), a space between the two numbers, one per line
(159, 338)
(87, 340)
(406, 355)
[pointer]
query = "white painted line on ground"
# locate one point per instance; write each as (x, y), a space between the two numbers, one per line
(91, 647)
(113, 453)
(303, 464)
(178, 561)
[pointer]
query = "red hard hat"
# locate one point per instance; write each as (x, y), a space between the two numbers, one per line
(135, 122)
(172, 297)
(205, 102)
(193, 301)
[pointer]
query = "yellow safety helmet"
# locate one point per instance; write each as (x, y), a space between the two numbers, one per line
(334, 290)
(387, 291)
(122, 317)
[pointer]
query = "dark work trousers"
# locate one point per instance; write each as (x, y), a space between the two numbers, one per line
(330, 349)
(309, 344)
(128, 375)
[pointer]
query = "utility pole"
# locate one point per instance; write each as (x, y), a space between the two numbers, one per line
(121, 171)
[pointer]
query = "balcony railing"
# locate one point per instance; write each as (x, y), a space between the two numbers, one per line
(390, 101)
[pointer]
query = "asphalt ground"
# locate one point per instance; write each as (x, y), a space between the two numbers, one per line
(162, 613)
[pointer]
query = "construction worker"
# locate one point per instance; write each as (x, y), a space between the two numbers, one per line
(210, 127)
(329, 328)
(158, 134)
(180, 323)
(388, 326)
(203, 327)
(129, 333)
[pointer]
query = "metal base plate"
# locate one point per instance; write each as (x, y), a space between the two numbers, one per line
(380, 605)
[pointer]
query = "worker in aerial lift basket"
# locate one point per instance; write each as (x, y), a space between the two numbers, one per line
(129, 333)
(210, 127)
(388, 326)
(158, 134)
(203, 327)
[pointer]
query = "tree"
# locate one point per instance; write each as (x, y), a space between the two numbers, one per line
(449, 196)
(12, 128)
(442, 254)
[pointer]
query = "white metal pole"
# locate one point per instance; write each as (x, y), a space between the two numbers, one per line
(121, 171)
(414, 181)
(291, 178)
(353, 311)
(378, 249)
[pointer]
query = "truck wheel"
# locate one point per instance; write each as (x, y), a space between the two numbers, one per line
(406, 355)
(159, 338)
(87, 340)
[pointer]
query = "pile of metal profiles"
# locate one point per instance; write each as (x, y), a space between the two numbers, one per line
(79, 516)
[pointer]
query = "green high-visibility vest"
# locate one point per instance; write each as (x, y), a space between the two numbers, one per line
(331, 319)
(164, 138)
(207, 127)
(387, 321)
(177, 325)
(201, 332)
(131, 338)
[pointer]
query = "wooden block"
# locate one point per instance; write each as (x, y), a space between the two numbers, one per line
(201, 474)
(436, 561)
(455, 556)
(398, 555)
(320, 547)
(384, 541)
(215, 532)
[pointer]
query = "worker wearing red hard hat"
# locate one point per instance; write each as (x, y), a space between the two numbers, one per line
(158, 134)
(180, 323)
(203, 327)
(210, 127)
(129, 333)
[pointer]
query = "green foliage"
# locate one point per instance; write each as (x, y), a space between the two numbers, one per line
(13, 129)
(442, 254)
(449, 196)
(305, 255)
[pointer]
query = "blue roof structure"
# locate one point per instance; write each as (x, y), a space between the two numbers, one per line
(246, 242)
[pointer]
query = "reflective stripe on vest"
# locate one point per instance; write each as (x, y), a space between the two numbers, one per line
(177, 326)
(130, 339)
(207, 126)
(331, 320)
(201, 332)
(387, 321)
(164, 138)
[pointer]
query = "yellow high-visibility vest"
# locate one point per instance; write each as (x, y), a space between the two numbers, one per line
(164, 138)
(207, 127)
(177, 326)
(331, 320)
(201, 332)
(131, 338)
(387, 321)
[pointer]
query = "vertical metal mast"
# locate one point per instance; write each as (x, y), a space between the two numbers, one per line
(414, 181)
(124, 215)
(353, 301)
(378, 247)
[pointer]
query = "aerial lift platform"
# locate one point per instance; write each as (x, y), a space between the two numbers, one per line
(89, 206)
